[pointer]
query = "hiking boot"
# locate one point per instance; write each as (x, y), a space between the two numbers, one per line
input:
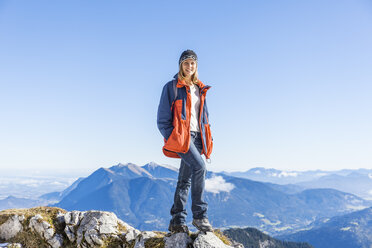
(178, 228)
(202, 225)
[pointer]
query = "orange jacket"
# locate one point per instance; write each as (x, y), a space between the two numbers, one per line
(174, 119)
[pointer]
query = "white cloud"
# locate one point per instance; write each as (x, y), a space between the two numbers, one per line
(259, 215)
(58, 183)
(288, 174)
(268, 222)
(285, 174)
(217, 184)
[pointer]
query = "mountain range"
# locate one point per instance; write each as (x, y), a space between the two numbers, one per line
(142, 196)
(357, 182)
(350, 230)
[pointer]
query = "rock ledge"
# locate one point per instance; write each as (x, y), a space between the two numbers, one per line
(56, 228)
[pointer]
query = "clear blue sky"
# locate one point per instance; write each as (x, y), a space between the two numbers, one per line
(80, 81)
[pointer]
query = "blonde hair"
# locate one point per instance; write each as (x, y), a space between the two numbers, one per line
(194, 77)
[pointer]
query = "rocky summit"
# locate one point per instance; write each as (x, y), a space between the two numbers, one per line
(51, 227)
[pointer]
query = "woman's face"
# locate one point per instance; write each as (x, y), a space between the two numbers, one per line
(188, 67)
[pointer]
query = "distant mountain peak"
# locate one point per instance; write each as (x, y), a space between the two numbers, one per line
(129, 167)
(153, 165)
(125, 165)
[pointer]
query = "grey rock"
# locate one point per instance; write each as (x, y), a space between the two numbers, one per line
(132, 234)
(56, 241)
(141, 239)
(43, 228)
(209, 240)
(69, 230)
(94, 227)
(91, 228)
(92, 237)
(73, 217)
(11, 227)
(177, 240)
(46, 231)
(140, 243)
(148, 234)
(108, 224)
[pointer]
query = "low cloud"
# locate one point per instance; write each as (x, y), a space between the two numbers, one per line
(217, 184)
(285, 174)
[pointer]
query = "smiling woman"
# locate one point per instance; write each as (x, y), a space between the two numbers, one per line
(183, 122)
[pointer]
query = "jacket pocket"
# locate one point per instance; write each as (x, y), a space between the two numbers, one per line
(177, 139)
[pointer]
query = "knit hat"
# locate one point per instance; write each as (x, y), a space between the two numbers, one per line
(188, 54)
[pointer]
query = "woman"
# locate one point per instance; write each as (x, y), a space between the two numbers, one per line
(183, 122)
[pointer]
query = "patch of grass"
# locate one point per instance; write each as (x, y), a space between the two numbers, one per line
(33, 211)
(122, 228)
(160, 234)
(222, 237)
(29, 239)
(156, 242)
(130, 244)
(112, 242)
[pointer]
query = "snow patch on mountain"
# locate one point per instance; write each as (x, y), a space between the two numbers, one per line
(217, 184)
(154, 165)
(356, 208)
(284, 228)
